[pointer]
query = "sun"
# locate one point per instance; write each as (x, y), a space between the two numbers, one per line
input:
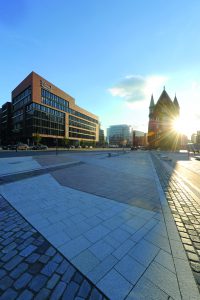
(178, 125)
(185, 125)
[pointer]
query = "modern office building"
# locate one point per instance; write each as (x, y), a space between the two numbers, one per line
(161, 133)
(42, 109)
(119, 135)
(6, 123)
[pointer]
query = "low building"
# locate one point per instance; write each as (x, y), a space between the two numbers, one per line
(119, 135)
(40, 109)
(6, 123)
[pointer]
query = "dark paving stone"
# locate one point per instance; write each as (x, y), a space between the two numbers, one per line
(53, 281)
(63, 267)
(43, 294)
(25, 295)
(84, 289)
(71, 290)
(19, 270)
(28, 250)
(58, 291)
(22, 281)
(6, 282)
(38, 282)
(9, 294)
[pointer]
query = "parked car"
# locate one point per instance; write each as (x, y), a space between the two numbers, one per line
(6, 147)
(22, 146)
(40, 147)
(134, 148)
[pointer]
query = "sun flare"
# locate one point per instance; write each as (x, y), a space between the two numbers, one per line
(185, 126)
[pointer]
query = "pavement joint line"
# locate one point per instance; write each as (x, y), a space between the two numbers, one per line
(39, 168)
(194, 291)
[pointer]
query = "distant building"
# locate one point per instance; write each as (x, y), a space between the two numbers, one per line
(101, 137)
(6, 123)
(42, 109)
(139, 138)
(194, 138)
(161, 117)
(120, 135)
(198, 137)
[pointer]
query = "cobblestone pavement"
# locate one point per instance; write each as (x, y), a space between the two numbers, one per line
(186, 213)
(30, 267)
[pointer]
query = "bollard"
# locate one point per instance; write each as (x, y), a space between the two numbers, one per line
(109, 154)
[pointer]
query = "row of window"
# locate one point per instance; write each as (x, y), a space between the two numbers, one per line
(47, 131)
(54, 104)
(54, 98)
(72, 129)
(77, 124)
(22, 102)
(39, 107)
(81, 136)
(24, 94)
(44, 124)
(62, 104)
(72, 118)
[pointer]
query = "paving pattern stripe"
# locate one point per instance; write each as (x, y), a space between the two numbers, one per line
(31, 267)
(27, 174)
(185, 212)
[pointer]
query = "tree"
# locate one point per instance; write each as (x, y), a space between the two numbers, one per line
(65, 142)
(37, 138)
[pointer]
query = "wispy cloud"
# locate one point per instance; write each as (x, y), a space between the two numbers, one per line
(137, 88)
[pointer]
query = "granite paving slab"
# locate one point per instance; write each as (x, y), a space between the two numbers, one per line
(31, 268)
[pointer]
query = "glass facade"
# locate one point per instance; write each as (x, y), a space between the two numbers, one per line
(54, 101)
(44, 120)
(22, 99)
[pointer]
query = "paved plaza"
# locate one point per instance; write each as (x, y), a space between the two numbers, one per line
(93, 226)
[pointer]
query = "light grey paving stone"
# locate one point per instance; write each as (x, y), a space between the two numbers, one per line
(144, 252)
(151, 223)
(158, 241)
(111, 241)
(96, 233)
(115, 286)
(178, 250)
(85, 261)
(164, 279)
(93, 221)
(77, 229)
(78, 217)
(129, 229)
(136, 222)
(130, 269)
(165, 259)
(119, 235)
(58, 239)
(186, 280)
(123, 249)
(93, 211)
(74, 247)
(114, 222)
(139, 234)
(145, 289)
(102, 268)
(101, 249)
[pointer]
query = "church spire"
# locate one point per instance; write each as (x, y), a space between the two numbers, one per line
(152, 104)
(176, 105)
(176, 102)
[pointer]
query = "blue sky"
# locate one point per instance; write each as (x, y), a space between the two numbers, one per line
(110, 55)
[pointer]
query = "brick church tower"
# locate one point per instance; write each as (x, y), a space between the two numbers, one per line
(161, 117)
